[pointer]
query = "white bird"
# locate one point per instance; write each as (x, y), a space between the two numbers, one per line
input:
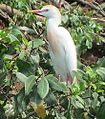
(61, 46)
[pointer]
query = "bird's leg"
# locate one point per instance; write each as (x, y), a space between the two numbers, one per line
(68, 80)
(59, 4)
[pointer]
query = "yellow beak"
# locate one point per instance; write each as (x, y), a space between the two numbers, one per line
(35, 11)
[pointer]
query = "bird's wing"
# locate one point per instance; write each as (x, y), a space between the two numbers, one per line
(69, 48)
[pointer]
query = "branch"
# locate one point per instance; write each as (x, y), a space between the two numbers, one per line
(27, 30)
(7, 11)
(29, 115)
(102, 34)
(6, 16)
(92, 6)
(65, 4)
(10, 11)
(99, 20)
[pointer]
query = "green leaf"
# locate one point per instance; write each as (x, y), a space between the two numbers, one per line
(80, 100)
(43, 88)
(21, 101)
(101, 83)
(8, 57)
(95, 102)
(35, 96)
(65, 18)
(63, 86)
(35, 43)
(73, 101)
(101, 62)
(29, 83)
(23, 66)
(2, 76)
(22, 54)
(25, 41)
(89, 43)
(101, 112)
(12, 38)
(79, 105)
(15, 31)
(55, 84)
(51, 99)
(18, 100)
(21, 77)
(35, 58)
(102, 98)
(64, 102)
(101, 72)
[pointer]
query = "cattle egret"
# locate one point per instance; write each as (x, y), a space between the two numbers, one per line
(61, 46)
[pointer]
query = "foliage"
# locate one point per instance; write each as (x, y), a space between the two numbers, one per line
(39, 94)
(83, 29)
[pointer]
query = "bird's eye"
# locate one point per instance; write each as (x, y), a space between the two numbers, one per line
(46, 10)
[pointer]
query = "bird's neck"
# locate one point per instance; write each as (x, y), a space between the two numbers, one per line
(53, 22)
(52, 29)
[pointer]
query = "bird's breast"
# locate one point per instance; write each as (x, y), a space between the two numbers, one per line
(53, 42)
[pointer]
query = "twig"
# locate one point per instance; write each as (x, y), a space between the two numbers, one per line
(99, 20)
(102, 34)
(28, 115)
(26, 29)
(39, 76)
(65, 4)
(45, 39)
(100, 8)
(33, 25)
(10, 11)
(4, 15)
(92, 6)
(87, 97)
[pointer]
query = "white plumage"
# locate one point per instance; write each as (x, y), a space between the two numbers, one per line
(61, 46)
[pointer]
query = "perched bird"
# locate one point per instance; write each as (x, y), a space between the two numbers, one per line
(61, 46)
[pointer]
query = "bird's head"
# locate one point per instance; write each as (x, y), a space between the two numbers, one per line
(48, 11)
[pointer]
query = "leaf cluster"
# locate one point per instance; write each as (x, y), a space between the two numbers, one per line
(28, 86)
